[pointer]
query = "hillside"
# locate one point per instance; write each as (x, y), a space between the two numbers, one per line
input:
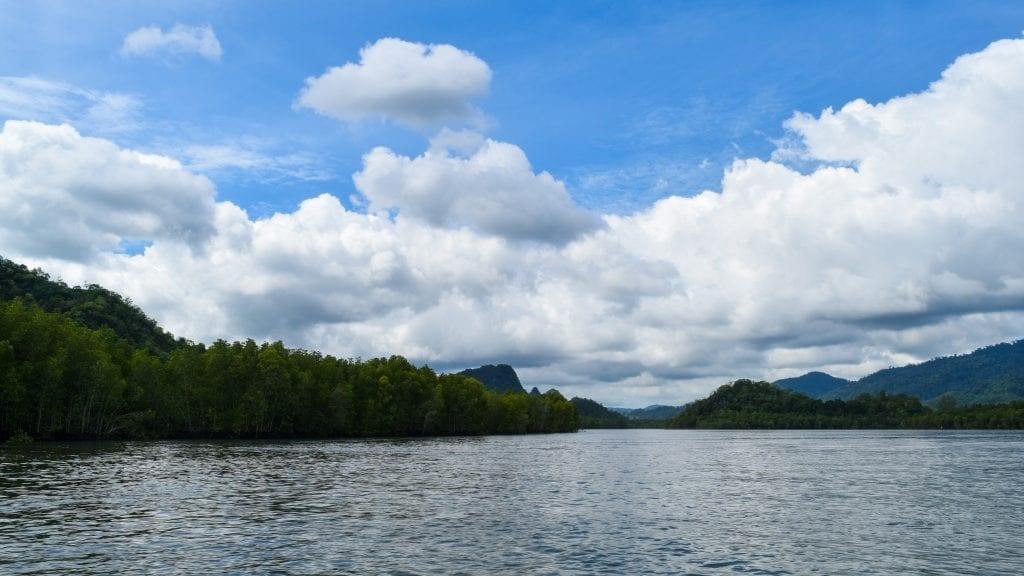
(994, 374)
(653, 412)
(499, 378)
(813, 384)
(91, 307)
(748, 404)
(744, 404)
(594, 415)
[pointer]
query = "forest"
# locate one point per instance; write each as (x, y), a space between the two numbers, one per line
(62, 380)
(85, 363)
(989, 375)
(91, 306)
(595, 415)
(747, 404)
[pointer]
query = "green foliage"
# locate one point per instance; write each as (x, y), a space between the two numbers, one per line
(747, 404)
(946, 402)
(57, 378)
(988, 375)
(92, 306)
(651, 413)
(60, 380)
(813, 384)
(19, 438)
(1007, 416)
(595, 415)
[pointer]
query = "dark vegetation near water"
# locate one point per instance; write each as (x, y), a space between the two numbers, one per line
(596, 415)
(653, 412)
(86, 364)
(747, 404)
(983, 389)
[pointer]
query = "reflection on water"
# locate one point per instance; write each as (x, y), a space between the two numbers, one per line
(597, 502)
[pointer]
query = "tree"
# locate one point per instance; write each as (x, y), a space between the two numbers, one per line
(62, 380)
(946, 403)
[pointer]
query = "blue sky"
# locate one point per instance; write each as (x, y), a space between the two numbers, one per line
(551, 191)
(625, 103)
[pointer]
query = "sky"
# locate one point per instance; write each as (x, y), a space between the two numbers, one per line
(631, 202)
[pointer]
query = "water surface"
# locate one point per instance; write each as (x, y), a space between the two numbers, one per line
(596, 502)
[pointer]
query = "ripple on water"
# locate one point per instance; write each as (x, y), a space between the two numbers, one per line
(611, 502)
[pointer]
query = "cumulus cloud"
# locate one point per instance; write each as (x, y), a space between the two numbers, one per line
(420, 85)
(464, 180)
(896, 240)
(909, 142)
(180, 40)
(67, 196)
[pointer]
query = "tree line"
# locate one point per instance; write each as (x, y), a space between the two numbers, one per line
(62, 380)
(989, 375)
(748, 404)
(91, 306)
(594, 415)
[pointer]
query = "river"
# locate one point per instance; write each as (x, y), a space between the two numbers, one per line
(595, 502)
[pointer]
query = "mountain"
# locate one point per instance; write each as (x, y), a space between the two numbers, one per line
(92, 307)
(745, 404)
(652, 412)
(594, 415)
(499, 378)
(813, 384)
(994, 374)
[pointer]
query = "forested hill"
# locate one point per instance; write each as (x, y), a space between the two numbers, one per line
(90, 365)
(59, 380)
(92, 306)
(594, 415)
(499, 378)
(989, 375)
(814, 384)
(746, 404)
(652, 412)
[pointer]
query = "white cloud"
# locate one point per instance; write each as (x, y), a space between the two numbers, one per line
(911, 142)
(464, 180)
(907, 251)
(255, 159)
(67, 196)
(26, 98)
(410, 83)
(178, 41)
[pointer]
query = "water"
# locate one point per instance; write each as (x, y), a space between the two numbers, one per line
(597, 502)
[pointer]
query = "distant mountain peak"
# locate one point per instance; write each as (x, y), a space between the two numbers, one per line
(499, 378)
(814, 384)
(989, 375)
(652, 412)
